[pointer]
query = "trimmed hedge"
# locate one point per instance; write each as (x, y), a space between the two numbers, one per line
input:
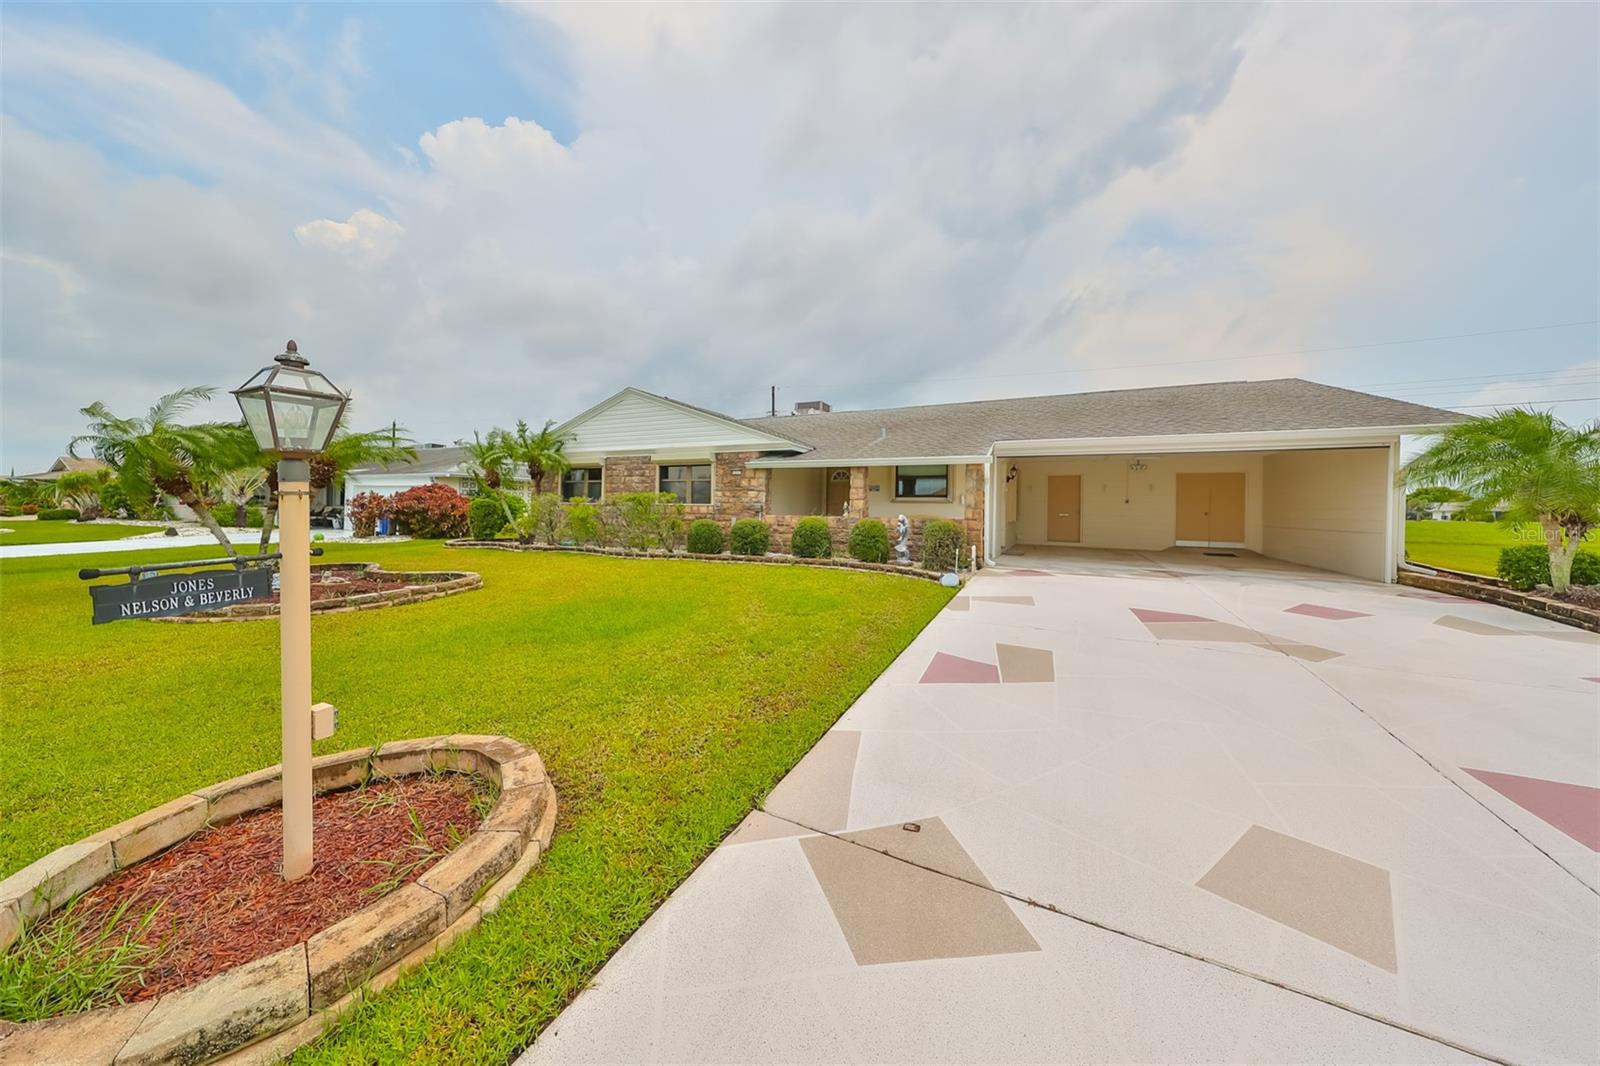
(58, 514)
(812, 539)
(749, 536)
(1528, 565)
(705, 537)
(941, 545)
(869, 541)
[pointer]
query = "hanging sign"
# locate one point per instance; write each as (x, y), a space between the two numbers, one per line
(160, 597)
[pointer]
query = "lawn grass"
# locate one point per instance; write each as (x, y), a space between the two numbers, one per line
(1472, 547)
(33, 531)
(666, 697)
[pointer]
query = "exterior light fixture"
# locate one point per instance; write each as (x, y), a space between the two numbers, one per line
(1137, 466)
(1011, 475)
(294, 411)
(290, 408)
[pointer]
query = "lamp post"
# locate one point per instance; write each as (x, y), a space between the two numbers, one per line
(294, 410)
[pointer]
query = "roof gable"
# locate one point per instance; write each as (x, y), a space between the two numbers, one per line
(635, 421)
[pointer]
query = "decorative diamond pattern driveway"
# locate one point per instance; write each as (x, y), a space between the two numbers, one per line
(1170, 809)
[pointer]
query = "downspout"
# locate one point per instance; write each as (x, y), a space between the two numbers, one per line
(992, 513)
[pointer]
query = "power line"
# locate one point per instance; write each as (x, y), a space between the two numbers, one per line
(1519, 403)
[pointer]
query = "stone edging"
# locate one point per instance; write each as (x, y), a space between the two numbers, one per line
(431, 584)
(768, 560)
(261, 1011)
(1504, 595)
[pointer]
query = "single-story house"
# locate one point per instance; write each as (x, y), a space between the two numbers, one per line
(1287, 468)
(65, 464)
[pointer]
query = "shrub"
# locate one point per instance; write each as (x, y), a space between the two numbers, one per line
(749, 536)
(430, 511)
(869, 541)
(811, 539)
(114, 501)
(365, 510)
(705, 537)
(582, 522)
(228, 514)
(30, 508)
(941, 545)
(646, 520)
(1528, 565)
(486, 513)
(58, 514)
(542, 523)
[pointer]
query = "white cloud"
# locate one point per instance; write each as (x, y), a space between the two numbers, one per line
(871, 204)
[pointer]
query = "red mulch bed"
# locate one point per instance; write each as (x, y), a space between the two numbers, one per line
(332, 583)
(224, 904)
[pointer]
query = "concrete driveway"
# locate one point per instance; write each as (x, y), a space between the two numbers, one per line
(1154, 808)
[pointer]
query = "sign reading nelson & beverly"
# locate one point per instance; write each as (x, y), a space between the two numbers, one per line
(159, 597)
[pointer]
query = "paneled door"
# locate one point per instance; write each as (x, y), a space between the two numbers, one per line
(1064, 497)
(838, 491)
(1211, 508)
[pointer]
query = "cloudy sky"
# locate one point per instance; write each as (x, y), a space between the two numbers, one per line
(473, 214)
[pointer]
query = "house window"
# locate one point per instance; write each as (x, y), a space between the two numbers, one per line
(922, 482)
(691, 484)
(581, 482)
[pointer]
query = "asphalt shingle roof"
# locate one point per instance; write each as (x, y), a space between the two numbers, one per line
(965, 429)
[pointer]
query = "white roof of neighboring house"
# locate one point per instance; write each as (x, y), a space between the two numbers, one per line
(66, 464)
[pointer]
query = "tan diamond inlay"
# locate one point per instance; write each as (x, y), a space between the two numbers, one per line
(817, 791)
(892, 911)
(1338, 900)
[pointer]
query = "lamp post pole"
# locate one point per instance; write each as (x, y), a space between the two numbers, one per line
(295, 411)
(294, 637)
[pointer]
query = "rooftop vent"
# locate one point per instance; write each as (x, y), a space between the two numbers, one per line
(812, 407)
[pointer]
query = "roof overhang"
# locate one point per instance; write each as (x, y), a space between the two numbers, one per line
(1252, 441)
(805, 462)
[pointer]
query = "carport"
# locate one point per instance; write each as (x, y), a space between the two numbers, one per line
(1327, 498)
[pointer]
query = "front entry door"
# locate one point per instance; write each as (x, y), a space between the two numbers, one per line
(838, 491)
(1210, 509)
(1064, 496)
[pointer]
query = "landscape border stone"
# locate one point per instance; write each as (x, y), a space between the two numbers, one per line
(262, 1010)
(1491, 590)
(759, 560)
(427, 585)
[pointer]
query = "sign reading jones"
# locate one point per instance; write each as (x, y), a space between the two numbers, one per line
(157, 597)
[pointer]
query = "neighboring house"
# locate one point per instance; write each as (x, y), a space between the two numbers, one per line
(66, 464)
(434, 465)
(1290, 469)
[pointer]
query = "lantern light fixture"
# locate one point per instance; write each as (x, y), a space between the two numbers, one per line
(290, 408)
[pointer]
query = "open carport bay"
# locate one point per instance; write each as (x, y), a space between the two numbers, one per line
(1331, 508)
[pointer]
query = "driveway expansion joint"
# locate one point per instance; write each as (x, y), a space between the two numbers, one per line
(1158, 944)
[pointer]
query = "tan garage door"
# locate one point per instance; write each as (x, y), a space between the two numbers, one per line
(1211, 508)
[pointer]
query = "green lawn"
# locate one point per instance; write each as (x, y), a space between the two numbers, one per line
(33, 531)
(665, 696)
(1473, 547)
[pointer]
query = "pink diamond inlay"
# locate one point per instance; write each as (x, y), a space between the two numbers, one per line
(1596, 680)
(1145, 614)
(946, 669)
(1573, 809)
(1316, 610)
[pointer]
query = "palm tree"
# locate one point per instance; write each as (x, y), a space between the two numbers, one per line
(155, 454)
(238, 486)
(329, 466)
(1546, 471)
(490, 463)
(543, 453)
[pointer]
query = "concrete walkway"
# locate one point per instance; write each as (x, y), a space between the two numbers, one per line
(1156, 808)
(241, 537)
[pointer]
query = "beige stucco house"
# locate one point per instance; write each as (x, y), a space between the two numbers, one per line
(1290, 469)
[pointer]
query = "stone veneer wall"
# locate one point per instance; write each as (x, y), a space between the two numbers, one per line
(745, 495)
(629, 473)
